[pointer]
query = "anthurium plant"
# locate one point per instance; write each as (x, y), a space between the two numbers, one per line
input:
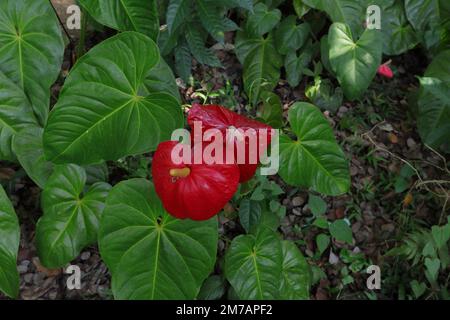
(159, 235)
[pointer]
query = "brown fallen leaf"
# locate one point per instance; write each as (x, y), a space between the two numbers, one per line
(48, 272)
(7, 173)
(393, 138)
(339, 212)
(407, 200)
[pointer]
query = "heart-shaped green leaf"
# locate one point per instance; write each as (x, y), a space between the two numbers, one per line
(398, 35)
(262, 20)
(9, 245)
(314, 160)
(15, 114)
(434, 112)
(126, 15)
(71, 216)
(108, 107)
(322, 242)
(261, 62)
(32, 49)
(441, 235)
(291, 36)
(150, 254)
(296, 274)
(253, 265)
(355, 63)
(341, 231)
(418, 288)
(432, 266)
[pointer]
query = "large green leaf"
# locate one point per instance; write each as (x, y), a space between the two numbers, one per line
(440, 67)
(296, 274)
(290, 36)
(27, 145)
(196, 41)
(261, 62)
(355, 63)
(422, 13)
(71, 215)
(15, 114)
(253, 265)
(314, 159)
(108, 107)
(178, 12)
(425, 17)
(9, 246)
(31, 49)
(398, 35)
(434, 112)
(263, 20)
(126, 15)
(350, 12)
(150, 254)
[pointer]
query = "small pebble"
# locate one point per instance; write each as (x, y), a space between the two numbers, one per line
(298, 201)
(22, 269)
(28, 278)
(85, 255)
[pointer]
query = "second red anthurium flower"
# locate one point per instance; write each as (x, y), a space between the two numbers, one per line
(218, 117)
(195, 191)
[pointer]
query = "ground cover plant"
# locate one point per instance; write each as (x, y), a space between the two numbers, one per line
(351, 97)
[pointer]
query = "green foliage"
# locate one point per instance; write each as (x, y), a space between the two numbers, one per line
(262, 20)
(71, 215)
(32, 50)
(341, 231)
(16, 113)
(262, 266)
(126, 15)
(261, 63)
(9, 246)
(434, 112)
(354, 62)
(120, 100)
(314, 160)
(271, 110)
(429, 250)
(150, 254)
(212, 289)
(28, 147)
(100, 100)
(190, 22)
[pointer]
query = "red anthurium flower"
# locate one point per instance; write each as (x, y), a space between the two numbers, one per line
(385, 71)
(218, 117)
(195, 191)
